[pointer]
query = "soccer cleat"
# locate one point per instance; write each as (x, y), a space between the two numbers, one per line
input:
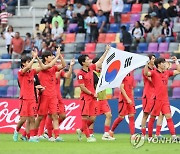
(91, 139)
(92, 135)
(52, 139)
(41, 137)
(33, 139)
(59, 139)
(23, 138)
(46, 136)
(160, 137)
(15, 136)
(107, 137)
(111, 133)
(175, 138)
(79, 134)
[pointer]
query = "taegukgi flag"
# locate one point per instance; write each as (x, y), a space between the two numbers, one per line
(116, 66)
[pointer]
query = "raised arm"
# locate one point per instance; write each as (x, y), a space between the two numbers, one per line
(69, 73)
(177, 71)
(125, 94)
(63, 63)
(100, 61)
(146, 71)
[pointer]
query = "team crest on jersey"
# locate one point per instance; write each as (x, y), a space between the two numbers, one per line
(80, 77)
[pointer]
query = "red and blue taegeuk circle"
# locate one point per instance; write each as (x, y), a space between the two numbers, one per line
(112, 71)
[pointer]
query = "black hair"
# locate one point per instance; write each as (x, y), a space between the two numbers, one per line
(158, 61)
(37, 25)
(123, 27)
(151, 55)
(95, 60)
(82, 59)
(71, 5)
(45, 55)
(28, 34)
(24, 59)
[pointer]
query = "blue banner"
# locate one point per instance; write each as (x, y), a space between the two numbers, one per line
(124, 127)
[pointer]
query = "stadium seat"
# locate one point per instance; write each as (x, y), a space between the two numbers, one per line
(101, 37)
(5, 71)
(125, 18)
(113, 28)
(153, 47)
(165, 55)
(8, 76)
(127, 8)
(12, 82)
(90, 47)
(136, 8)
(110, 37)
(77, 66)
(100, 47)
(176, 83)
(113, 45)
(135, 17)
(94, 7)
(42, 27)
(176, 92)
(138, 92)
(69, 38)
(72, 28)
(120, 46)
(3, 82)
(79, 47)
(6, 56)
(163, 47)
(140, 84)
(177, 77)
(138, 77)
(176, 27)
(5, 65)
(3, 91)
(11, 91)
(173, 46)
(142, 47)
(127, 26)
(69, 48)
(145, 8)
(68, 56)
(80, 37)
(1, 76)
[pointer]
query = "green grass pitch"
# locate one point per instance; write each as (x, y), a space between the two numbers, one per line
(121, 145)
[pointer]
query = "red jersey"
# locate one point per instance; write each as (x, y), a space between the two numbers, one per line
(87, 79)
(58, 80)
(160, 82)
(148, 91)
(128, 87)
(26, 83)
(48, 80)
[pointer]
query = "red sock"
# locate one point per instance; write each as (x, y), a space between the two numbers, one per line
(41, 126)
(143, 130)
(91, 131)
(150, 126)
(106, 128)
(116, 123)
(49, 127)
(85, 127)
(60, 120)
(17, 129)
(170, 125)
(131, 125)
(56, 133)
(24, 133)
(158, 130)
(89, 122)
(32, 132)
(35, 132)
(28, 135)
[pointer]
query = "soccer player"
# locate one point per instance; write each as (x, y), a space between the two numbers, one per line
(102, 106)
(148, 99)
(27, 109)
(160, 81)
(88, 96)
(48, 100)
(126, 104)
(61, 106)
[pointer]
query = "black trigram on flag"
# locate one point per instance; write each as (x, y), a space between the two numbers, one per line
(128, 62)
(110, 58)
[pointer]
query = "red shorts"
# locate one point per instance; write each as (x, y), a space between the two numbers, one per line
(147, 104)
(88, 107)
(61, 107)
(102, 107)
(125, 108)
(27, 108)
(47, 105)
(161, 107)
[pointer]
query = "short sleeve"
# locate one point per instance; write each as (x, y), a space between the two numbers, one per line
(80, 79)
(170, 73)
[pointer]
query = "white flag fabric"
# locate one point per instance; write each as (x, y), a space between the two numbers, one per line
(116, 66)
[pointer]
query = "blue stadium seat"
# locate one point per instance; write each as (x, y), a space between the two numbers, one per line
(113, 45)
(138, 92)
(6, 56)
(3, 91)
(142, 47)
(113, 28)
(127, 8)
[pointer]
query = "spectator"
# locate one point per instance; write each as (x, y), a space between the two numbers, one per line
(88, 8)
(90, 2)
(166, 33)
(57, 18)
(92, 30)
(101, 22)
(49, 41)
(79, 9)
(147, 23)
(161, 12)
(105, 6)
(57, 33)
(4, 17)
(11, 6)
(117, 8)
(47, 14)
(172, 12)
(126, 38)
(28, 44)
(80, 23)
(37, 30)
(8, 35)
(138, 33)
(152, 7)
(69, 13)
(46, 30)
(43, 48)
(156, 31)
(38, 42)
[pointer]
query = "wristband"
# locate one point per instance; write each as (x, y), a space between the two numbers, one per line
(176, 62)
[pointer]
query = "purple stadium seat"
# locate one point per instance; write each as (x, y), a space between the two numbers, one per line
(138, 77)
(153, 47)
(11, 91)
(176, 92)
(134, 18)
(72, 28)
(163, 47)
